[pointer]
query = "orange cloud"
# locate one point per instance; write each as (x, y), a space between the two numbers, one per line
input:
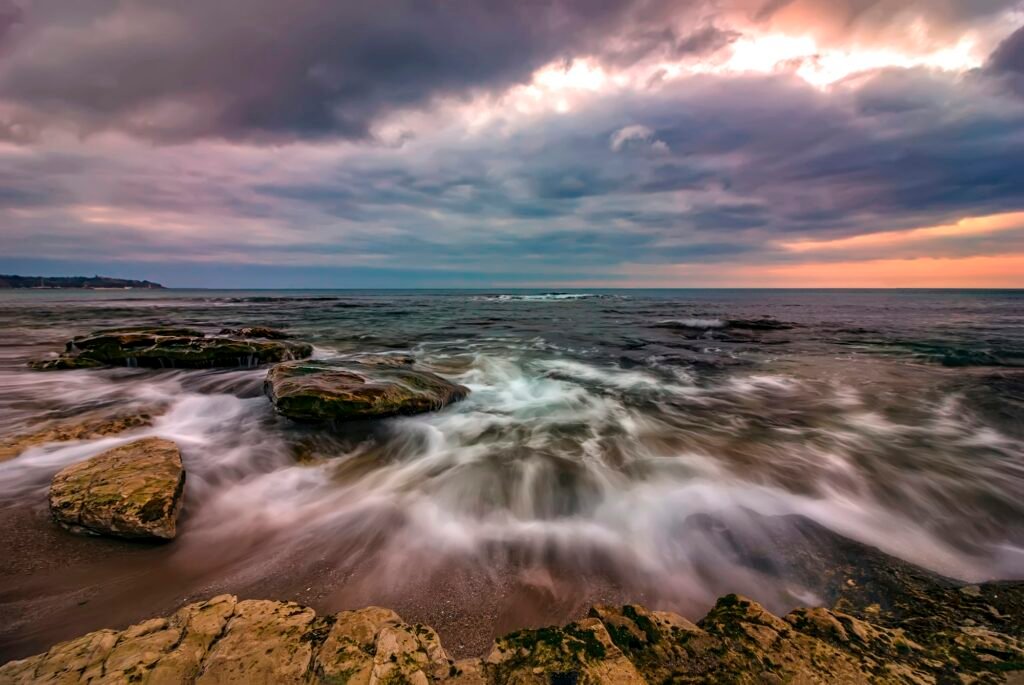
(1003, 271)
(982, 225)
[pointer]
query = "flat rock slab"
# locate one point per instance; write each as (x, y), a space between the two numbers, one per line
(364, 389)
(131, 491)
(171, 348)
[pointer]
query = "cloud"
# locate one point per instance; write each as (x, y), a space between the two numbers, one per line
(270, 72)
(890, 151)
(273, 110)
(920, 23)
(266, 70)
(636, 133)
(1007, 62)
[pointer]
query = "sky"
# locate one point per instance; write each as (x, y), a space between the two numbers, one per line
(554, 143)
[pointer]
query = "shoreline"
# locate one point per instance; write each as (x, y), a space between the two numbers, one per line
(890, 622)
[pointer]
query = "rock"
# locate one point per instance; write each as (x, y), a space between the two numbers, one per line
(131, 491)
(256, 332)
(83, 428)
(224, 640)
(581, 652)
(170, 348)
(263, 642)
(364, 389)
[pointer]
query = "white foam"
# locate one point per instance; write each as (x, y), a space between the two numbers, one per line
(694, 323)
(543, 297)
(567, 455)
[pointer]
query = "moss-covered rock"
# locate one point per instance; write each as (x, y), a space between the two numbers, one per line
(132, 491)
(171, 348)
(364, 389)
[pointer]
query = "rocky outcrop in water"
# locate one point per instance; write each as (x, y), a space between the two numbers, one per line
(89, 427)
(131, 491)
(224, 640)
(364, 389)
(171, 348)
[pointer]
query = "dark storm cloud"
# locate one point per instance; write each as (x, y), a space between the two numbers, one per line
(1007, 62)
(265, 69)
(10, 17)
(1009, 56)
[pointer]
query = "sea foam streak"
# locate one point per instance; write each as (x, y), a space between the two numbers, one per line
(558, 456)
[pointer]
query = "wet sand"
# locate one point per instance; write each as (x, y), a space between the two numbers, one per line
(58, 585)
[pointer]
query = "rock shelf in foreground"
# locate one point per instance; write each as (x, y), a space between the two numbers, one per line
(368, 388)
(225, 640)
(131, 491)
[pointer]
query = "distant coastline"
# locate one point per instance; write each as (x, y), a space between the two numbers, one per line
(80, 282)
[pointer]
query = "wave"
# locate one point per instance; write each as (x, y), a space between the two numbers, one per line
(568, 460)
(945, 354)
(692, 323)
(541, 297)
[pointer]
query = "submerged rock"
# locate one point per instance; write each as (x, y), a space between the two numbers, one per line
(64, 362)
(131, 491)
(171, 348)
(82, 428)
(224, 640)
(364, 389)
(256, 332)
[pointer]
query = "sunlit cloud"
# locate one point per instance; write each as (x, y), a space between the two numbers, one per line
(995, 271)
(984, 225)
(822, 66)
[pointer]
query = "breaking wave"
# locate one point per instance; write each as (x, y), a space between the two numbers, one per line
(559, 456)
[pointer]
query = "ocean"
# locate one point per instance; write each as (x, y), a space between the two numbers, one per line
(655, 446)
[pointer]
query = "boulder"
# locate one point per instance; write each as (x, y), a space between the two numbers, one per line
(170, 348)
(256, 332)
(131, 491)
(358, 389)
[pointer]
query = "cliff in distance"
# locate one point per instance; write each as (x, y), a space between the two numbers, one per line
(11, 281)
